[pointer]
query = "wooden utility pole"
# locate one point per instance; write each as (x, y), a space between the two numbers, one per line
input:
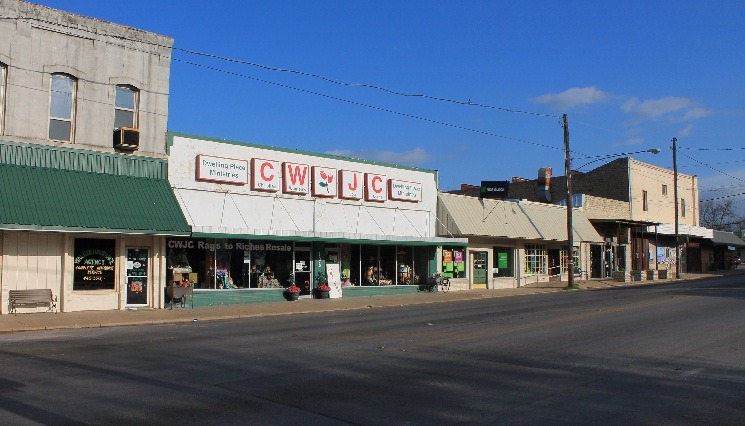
(570, 227)
(675, 194)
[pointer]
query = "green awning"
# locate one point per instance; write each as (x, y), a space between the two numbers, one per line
(47, 199)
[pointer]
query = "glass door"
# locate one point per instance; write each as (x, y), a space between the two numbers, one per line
(137, 276)
(302, 269)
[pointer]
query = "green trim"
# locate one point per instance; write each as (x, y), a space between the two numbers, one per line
(171, 135)
(208, 297)
(368, 291)
(327, 240)
(63, 158)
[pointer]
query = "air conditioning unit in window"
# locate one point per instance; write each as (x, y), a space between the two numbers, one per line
(126, 138)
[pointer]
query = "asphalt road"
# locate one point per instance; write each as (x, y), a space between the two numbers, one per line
(660, 354)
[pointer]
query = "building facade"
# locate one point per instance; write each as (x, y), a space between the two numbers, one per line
(637, 220)
(263, 218)
(514, 243)
(85, 204)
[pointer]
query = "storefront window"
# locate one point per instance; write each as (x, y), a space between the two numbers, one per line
(422, 258)
(95, 264)
(535, 259)
(404, 260)
(370, 264)
(503, 262)
(453, 262)
(224, 264)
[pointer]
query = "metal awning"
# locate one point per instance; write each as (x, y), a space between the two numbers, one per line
(49, 199)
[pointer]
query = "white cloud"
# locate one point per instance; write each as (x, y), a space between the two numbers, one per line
(673, 109)
(695, 113)
(573, 97)
(414, 157)
(629, 105)
(686, 130)
(655, 108)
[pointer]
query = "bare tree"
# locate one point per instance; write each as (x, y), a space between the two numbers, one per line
(719, 215)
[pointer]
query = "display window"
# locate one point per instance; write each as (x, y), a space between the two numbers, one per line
(225, 264)
(503, 262)
(453, 262)
(94, 264)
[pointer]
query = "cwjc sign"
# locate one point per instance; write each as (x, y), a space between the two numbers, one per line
(494, 189)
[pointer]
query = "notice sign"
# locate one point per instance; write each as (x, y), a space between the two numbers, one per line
(334, 280)
(94, 264)
(223, 170)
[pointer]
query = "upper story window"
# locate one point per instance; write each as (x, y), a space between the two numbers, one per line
(664, 190)
(645, 201)
(683, 207)
(3, 78)
(125, 107)
(62, 107)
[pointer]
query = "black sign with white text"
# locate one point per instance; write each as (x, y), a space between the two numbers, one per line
(494, 189)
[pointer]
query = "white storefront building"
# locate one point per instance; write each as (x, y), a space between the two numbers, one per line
(263, 218)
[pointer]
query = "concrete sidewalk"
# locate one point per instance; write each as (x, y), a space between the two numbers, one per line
(94, 319)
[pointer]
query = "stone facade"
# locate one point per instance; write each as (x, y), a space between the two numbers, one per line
(38, 42)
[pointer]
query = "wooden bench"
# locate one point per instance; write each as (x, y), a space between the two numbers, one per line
(32, 299)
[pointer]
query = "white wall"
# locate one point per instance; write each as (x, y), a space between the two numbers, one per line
(238, 208)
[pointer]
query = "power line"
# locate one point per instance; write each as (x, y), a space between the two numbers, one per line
(712, 168)
(721, 162)
(402, 114)
(723, 197)
(290, 71)
(713, 149)
(366, 85)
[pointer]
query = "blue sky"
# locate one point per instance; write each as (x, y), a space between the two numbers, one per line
(630, 76)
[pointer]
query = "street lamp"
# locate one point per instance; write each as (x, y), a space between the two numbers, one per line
(568, 174)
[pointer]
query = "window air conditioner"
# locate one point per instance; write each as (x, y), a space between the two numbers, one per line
(126, 138)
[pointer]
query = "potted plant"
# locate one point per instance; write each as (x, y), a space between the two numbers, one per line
(322, 287)
(292, 292)
(322, 291)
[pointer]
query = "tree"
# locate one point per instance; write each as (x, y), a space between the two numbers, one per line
(719, 215)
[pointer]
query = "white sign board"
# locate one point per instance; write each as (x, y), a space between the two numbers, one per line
(404, 191)
(334, 276)
(223, 170)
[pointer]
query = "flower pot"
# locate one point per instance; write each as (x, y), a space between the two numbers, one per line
(321, 294)
(292, 295)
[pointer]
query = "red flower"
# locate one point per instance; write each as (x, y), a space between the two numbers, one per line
(293, 289)
(324, 287)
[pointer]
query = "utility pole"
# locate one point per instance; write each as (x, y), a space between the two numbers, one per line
(675, 194)
(570, 227)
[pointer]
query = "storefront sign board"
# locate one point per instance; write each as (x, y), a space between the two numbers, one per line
(222, 170)
(350, 185)
(295, 178)
(324, 182)
(404, 191)
(375, 187)
(265, 175)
